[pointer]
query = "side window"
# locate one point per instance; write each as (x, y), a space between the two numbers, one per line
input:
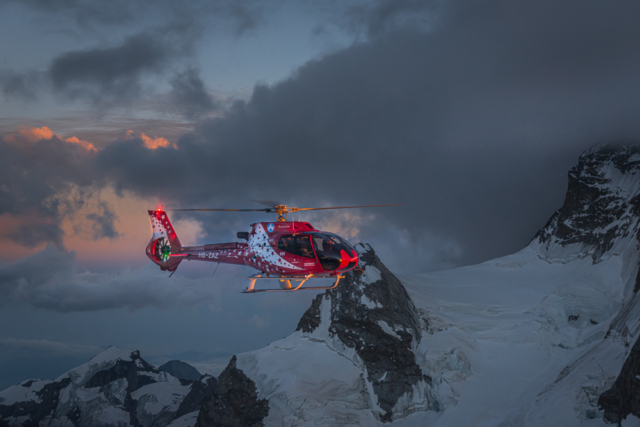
(303, 246)
(297, 245)
(286, 244)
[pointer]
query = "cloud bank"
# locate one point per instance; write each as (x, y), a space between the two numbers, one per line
(49, 280)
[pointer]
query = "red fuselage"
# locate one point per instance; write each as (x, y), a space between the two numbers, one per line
(288, 249)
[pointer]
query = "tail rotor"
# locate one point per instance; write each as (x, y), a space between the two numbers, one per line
(164, 243)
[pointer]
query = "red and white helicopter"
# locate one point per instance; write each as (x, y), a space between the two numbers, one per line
(287, 251)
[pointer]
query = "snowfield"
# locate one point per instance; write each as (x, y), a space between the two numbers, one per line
(500, 341)
(520, 321)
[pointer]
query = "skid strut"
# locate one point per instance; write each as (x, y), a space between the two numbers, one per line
(286, 283)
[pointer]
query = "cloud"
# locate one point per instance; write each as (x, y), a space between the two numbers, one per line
(103, 223)
(49, 347)
(379, 17)
(33, 234)
(258, 321)
(48, 178)
(86, 144)
(148, 142)
(107, 75)
(89, 14)
(49, 280)
(123, 67)
(473, 124)
(35, 134)
(20, 85)
(190, 95)
(154, 143)
(44, 178)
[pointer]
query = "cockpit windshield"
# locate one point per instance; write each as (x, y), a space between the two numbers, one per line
(328, 248)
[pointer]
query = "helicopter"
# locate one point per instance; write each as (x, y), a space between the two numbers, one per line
(284, 251)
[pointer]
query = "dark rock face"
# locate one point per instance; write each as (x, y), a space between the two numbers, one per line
(379, 320)
(623, 398)
(181, 370)
(594, 213)
(199, 392)
(233, 402)
(124, 370)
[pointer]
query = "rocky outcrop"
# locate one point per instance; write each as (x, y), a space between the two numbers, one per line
(601, 206)
(233, 402)
(623, 398)
(373, 314)
(182, 370)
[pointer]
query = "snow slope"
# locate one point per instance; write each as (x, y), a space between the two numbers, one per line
(520, 321)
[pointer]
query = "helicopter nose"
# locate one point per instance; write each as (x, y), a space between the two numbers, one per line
(347, 262)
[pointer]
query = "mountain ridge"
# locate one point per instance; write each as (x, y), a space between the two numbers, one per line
(115, 387)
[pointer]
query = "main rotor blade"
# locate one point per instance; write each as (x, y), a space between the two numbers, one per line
(344, 207)
(270, 203)
(220, 210)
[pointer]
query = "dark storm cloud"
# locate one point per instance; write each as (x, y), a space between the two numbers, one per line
(107, 74)
(103, 223)
(190, 95)
(33, 234)
(20, 85)
(474, 124)
(50, 281)
(43, 178)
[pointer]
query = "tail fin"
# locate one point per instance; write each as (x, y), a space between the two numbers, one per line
(164, 242)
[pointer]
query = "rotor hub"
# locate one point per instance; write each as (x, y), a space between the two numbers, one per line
(281, 212)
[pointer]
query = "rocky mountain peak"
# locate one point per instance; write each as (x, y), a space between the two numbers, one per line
(372, 313)
(601, 209)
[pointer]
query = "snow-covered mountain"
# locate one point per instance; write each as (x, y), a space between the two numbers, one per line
(546, 336)
(535, 338)
(115, 388)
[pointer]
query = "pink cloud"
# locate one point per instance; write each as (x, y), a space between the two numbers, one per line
(151, 143)
(34, 134)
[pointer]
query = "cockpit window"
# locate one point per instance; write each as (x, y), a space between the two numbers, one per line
(328, 248)
(297, 245)
(341, 240)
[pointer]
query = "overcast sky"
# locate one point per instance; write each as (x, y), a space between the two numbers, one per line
(468, 112)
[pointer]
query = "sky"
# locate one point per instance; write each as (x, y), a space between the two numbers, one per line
(468, 112)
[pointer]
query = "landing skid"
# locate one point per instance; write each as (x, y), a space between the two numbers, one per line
(285, 285)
